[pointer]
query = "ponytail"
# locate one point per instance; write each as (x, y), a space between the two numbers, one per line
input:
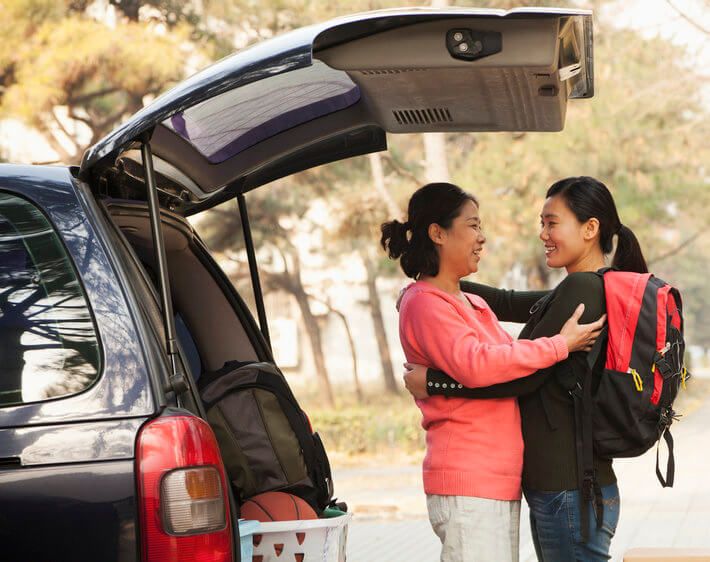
(628, 255)
(394, 238)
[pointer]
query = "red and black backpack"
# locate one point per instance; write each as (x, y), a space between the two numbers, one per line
(629, 407)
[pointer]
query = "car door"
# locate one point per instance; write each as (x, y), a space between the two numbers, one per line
(336, 90)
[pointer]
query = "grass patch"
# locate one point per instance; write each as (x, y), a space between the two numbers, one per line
(383, 424)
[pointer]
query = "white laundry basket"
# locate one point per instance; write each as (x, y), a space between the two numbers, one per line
(247, 529)
(313, 540)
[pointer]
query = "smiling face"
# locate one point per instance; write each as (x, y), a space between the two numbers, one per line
(568, 242)
(460, 245)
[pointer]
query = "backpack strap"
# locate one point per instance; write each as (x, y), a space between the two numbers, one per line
(595, 352)
(666, 482)
(600, 272)
(589, 489)
(675, 293)
(666, 419)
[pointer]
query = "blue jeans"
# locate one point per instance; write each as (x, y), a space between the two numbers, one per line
(556, 528)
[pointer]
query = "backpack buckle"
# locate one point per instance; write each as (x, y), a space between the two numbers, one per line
(663, 366)
(668, 416)
(684, 376)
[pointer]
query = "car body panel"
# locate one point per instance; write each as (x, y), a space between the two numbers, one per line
(70, 443)
(69, 513)
(122, 390)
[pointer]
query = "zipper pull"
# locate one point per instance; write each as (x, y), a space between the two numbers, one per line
(638, 381)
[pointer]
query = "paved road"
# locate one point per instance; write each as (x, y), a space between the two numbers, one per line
(390, 523)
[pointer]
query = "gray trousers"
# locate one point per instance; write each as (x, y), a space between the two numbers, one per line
(475, 529)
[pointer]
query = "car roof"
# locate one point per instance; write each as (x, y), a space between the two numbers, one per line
(333, 90)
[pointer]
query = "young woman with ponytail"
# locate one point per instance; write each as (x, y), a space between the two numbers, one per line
(579, 223)
(474, 455)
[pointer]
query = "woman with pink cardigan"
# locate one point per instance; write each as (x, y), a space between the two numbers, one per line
(473, 463)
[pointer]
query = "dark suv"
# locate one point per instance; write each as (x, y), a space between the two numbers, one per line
(111, 307)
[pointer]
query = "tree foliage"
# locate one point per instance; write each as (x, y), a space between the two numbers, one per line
(74, 78)
(641, 134)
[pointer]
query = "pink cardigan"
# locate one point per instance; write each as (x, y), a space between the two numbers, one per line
(474, 447)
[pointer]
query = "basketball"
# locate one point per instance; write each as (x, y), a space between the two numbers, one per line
(277, 506)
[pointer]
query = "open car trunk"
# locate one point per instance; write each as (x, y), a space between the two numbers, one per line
(214, 330)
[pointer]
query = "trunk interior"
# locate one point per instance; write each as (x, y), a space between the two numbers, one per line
(213, 323)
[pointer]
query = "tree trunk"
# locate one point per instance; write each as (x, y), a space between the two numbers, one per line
(290, 281)
(378, 179)
(351, 343)
(313, 330)
(353, 354)
(130, 8)
(437, 166)
(379, 325)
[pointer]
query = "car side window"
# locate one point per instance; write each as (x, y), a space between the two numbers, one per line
(48, 342)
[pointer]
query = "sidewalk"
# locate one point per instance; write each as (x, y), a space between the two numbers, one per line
(391, 525)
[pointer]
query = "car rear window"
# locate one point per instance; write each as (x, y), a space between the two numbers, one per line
(226, 124)
(48, 343)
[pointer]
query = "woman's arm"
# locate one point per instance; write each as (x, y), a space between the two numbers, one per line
(583, 287)
(439, 383)
(507, 305)
(433, 328)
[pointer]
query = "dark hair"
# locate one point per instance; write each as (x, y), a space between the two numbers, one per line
(587, 197)
(435, 203)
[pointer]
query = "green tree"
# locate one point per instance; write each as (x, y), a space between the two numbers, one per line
(641, 134)
(358, 214)
(74, 78)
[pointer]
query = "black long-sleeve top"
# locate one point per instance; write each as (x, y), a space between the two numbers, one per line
(546, 408)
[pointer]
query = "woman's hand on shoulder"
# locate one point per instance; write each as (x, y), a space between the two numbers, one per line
(581, 337)
(415, 380)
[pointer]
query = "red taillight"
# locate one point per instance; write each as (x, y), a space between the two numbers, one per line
(184, 510)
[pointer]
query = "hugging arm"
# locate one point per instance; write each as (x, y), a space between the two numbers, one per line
(507, 305)
(587, 288)
(435, 330)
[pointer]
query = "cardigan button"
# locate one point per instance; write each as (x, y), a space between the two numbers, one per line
(430, 384)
